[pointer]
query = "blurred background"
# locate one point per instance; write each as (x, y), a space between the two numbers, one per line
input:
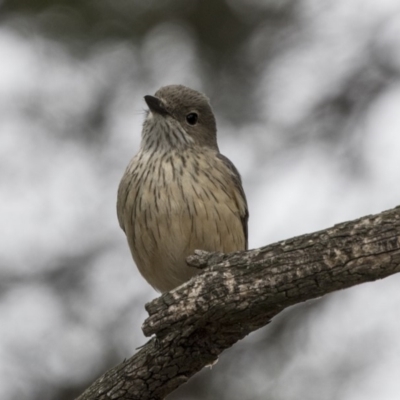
(307, 98)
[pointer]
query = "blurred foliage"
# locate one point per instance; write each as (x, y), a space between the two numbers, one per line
(219, 25)
(221, 31)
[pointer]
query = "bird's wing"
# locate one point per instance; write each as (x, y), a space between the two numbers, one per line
(239, 194)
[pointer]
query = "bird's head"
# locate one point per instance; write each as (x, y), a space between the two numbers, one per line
(179, 117)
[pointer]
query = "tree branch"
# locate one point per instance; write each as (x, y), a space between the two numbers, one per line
(240, 292)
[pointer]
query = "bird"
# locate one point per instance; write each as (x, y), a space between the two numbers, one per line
(179, 193)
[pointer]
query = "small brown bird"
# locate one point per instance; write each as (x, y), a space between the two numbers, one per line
(178, 192)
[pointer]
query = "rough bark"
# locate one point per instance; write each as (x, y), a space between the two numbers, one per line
(239, 293)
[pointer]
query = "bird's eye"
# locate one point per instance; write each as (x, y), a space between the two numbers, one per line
(192, 118)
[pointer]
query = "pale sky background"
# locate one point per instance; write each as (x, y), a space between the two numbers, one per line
(71, 299)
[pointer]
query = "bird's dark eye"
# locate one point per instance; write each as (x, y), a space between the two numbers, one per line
(192, 118)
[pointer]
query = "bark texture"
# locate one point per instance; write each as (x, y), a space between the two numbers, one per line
(240, 292)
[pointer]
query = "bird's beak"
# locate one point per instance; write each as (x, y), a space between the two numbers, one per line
(155, 105)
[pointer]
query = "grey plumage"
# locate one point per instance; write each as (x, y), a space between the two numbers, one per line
(179, 193)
